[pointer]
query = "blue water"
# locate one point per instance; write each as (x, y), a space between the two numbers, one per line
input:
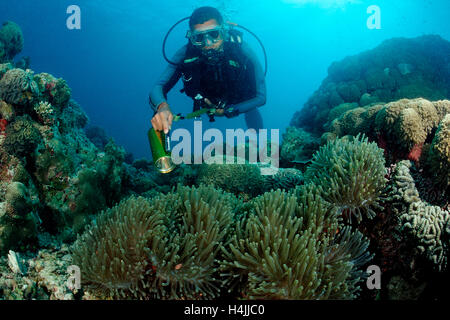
(112, 62)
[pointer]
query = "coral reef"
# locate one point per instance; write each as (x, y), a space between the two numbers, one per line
(396, 69)
(240, 179)
(427, 226)
(43, 275)
(166, 248)
(22, 138)
(288, 249)
(11, 41)
(350, 175)
(56, 91)
(284, 179)
(438, 157)
(297, 147)
(18, 87)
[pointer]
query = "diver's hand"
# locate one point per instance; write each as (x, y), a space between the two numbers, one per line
(162, 121)
(220, 112)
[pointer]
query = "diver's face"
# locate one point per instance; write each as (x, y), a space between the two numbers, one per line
(209, 44)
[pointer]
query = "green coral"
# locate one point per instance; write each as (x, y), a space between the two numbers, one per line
(17, 87)
(56, 91)
(284, 179)
(167, 247)
(350, 175)
(234, 178)
(438, 161)
(22, 137)
(297, 147)
(288, 249)
(18, 225)
(12, 39)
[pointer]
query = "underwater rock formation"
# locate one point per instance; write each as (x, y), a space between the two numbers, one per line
(413, 129)
(396, 69)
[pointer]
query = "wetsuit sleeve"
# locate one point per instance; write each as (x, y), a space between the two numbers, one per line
(166, 81)
(260, 98)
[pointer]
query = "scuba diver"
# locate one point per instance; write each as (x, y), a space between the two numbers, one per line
(219, 72)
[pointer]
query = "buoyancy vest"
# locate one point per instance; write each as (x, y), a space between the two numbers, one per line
(231, 80)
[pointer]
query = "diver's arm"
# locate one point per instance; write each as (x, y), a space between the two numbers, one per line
(260, 98)
(166, 81)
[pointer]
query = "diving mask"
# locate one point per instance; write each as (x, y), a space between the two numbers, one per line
(200, 38)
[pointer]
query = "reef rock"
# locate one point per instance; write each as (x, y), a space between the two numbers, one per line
(398, 68)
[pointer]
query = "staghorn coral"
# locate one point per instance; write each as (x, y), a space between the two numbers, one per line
(17, 87)
(12, 39)
(167, 247)
(350, 175)
(22, 137)
(287, 249)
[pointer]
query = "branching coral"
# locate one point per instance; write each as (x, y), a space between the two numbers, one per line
(287, 249)
(350, 175)
(166, 247)
(18, 87)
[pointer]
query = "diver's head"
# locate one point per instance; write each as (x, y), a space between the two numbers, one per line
(207, 29)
